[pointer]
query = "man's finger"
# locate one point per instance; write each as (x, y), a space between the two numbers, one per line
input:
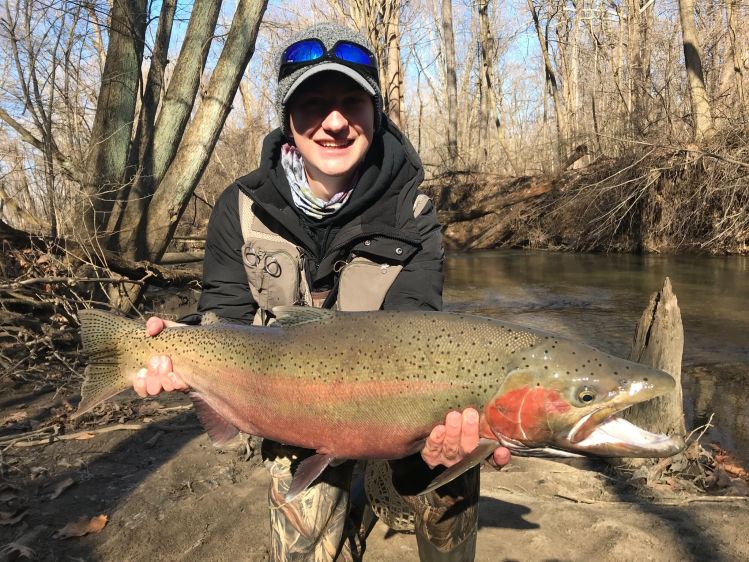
(154, 325)
(469, 434)
(451, 444)
(501, 456)
(432, 450)
(153, 378)
(139, 384)
(165, 366)
(435, 439)
(167, 383)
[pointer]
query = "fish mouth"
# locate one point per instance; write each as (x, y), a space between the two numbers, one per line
(602, 433)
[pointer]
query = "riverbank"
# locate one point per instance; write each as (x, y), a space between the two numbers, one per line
(654, 199)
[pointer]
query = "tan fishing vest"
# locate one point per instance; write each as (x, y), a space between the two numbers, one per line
(275, 270)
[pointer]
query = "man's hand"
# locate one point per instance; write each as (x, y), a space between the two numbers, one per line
(448, 444)
(158, 376)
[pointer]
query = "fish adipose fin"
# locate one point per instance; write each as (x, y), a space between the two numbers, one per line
(306, 473)
(485, 448)
(101, 334)
(295, 315)
(218, 428)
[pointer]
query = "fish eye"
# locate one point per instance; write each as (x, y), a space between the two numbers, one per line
(586, 395)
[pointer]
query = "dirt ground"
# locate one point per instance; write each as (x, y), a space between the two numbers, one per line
(168, 494)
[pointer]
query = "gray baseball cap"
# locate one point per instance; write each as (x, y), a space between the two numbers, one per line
(329, 34)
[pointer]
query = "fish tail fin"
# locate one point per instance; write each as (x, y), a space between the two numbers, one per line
(102, 334)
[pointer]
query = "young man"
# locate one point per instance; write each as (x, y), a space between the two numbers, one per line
(333, 217)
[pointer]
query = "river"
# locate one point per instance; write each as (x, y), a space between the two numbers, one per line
(598, 299)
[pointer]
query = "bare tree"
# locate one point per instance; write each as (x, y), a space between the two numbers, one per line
(37, 61)
(451, 88)
(118, 95)
(149, 238)
(552, 82)
(490, 122)
(379, 20)
(160, 137)
(152, 163)
(736, 68)
(700, 103)
(393, 85)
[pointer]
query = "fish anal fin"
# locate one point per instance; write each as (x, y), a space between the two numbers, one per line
(295, 315)
(485, 448)
(306, 473)
(219, 429)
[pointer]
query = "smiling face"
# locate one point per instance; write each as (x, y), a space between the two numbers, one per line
(332, 122)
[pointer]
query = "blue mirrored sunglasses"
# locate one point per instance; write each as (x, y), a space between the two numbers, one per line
(311, 51)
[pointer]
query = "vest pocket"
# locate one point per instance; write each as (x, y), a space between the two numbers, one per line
(363, 284)
(273, 275)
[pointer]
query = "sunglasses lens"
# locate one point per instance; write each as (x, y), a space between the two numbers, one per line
(304, 51)
(351, 52)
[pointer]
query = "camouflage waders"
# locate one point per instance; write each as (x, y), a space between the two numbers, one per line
(321, 525)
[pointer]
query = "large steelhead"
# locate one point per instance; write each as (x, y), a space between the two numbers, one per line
(372, 385)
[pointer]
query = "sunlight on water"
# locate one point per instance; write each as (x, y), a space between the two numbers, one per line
(599, 298)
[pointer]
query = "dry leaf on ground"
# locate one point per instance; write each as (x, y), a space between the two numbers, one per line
(12, 517)
(61, 487)
(82, 527)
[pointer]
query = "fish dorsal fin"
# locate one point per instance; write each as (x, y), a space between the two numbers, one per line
(306, 473)
(296, 315)
(219, 429)
(485, 448)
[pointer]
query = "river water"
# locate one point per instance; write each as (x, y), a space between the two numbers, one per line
(598, 299)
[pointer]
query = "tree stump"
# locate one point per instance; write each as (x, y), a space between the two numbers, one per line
(659, 343)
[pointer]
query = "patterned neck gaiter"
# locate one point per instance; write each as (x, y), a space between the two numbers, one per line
(304, 199)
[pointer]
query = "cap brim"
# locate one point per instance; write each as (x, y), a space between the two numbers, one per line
(328, 66)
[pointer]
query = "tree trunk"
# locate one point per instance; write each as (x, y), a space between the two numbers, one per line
(129, 227)
(701, 114)
(659, 343)
(639, 46)
(393, 71)
(490, 123)
(451, 83)
(736, 52)
(115, 111)
(175, 189)
(139, 179)
(552, 85)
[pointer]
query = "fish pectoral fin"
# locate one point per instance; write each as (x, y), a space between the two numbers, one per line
(306, 473)
(219, 429)
(295, 315)
(485, 448)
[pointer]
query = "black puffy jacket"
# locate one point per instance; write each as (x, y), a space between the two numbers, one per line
(379, 211)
